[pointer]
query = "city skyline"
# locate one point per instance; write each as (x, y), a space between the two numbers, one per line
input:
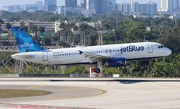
(59, 2)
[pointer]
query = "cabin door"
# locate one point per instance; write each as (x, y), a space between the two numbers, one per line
(45, 56)
(150, 48)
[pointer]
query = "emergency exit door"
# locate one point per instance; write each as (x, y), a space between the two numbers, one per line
(150, 48)
(45, 56)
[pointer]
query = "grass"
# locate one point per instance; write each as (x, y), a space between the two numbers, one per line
(8, 93)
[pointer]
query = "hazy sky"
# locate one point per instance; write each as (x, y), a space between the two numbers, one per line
(60, 2)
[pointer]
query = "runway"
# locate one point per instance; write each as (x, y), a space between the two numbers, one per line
(94, 93)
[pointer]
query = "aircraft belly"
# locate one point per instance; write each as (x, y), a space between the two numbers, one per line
(137, 55)
(65, 60)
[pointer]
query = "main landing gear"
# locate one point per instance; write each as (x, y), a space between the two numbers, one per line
(98, 68)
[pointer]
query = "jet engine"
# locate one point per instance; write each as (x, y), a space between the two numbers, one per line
(116, 62)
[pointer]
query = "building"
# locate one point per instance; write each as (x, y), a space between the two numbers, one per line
(149, 8)
(135, 8)
(83, 4)
(112, 2)
(173, 4)
(101, 6)
(12, 8)
(125, 8)
(39, 5)
(113, 7)
(169, 5)
(47, 25)
(61, 9)
(30, 8)
(71, 3)
(50, 5)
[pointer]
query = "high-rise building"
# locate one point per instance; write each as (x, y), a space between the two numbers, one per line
(173, 4)
(150, 8)
(91, 4)
(83, 4)
(112, 2)
(12, 8)
(71, 3)
(126, 8)
(135, 8)
(100, 6)
(168, 5)
(39, 5)
(50, 5)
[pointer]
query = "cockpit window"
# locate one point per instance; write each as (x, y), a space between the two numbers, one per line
(160, 46)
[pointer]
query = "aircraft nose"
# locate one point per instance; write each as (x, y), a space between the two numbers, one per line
(15, 56)
(169, 51)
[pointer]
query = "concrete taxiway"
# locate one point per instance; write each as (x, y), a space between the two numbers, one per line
(94, 93)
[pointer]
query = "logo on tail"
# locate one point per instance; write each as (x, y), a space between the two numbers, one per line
(24, 42)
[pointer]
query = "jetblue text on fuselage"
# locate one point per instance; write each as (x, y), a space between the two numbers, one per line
(131, 48)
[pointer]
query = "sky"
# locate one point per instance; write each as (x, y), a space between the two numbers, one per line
(60, 2)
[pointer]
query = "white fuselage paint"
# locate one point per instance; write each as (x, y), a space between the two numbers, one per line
(130, 51)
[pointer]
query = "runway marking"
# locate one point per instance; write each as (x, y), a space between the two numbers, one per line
(80, 94)
(26, 106)
(58, 97)
(171, 86)
(34, 87)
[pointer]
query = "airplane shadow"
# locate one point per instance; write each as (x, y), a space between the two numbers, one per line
(121, 81)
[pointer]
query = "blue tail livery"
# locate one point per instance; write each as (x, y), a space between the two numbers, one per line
(24, 42)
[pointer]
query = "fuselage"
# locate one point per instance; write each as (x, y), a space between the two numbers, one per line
(66, 56)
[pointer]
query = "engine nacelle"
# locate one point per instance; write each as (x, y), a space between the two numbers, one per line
(116, 62)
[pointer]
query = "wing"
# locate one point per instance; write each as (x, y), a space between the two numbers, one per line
(95, 57)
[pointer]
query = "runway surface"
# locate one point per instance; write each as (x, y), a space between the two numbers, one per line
(94, 93)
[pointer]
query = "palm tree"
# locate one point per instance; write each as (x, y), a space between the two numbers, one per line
(71, 35)
(8, 26)
(24, 27)
(62, 31)
(75, 39)
(33, 28)
(41, 29)
(92, 37)
(83, 29)
(1, 22)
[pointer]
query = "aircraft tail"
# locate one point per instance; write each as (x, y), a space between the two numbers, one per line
(24, 42)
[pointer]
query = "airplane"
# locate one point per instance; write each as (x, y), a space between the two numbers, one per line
(114, 55)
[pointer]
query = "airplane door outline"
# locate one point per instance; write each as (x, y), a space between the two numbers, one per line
(45, 56)
(150, 48)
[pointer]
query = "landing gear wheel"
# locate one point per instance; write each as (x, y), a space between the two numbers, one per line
(97, 70)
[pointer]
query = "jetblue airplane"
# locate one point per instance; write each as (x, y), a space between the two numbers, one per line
(109, 55)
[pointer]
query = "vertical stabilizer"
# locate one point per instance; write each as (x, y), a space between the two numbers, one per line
(24, 42)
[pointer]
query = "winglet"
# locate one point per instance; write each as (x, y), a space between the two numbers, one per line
(24, 42)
